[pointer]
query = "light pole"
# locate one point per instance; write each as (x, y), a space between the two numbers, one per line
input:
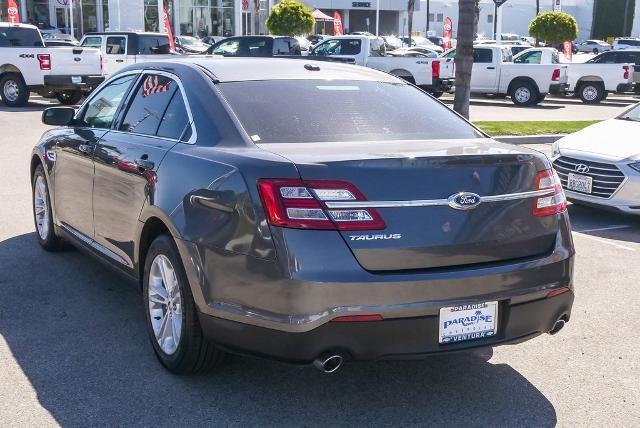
(377, 16)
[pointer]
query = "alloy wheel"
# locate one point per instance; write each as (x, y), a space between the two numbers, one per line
(165, 304)
(41, 207)
(11, 90)
(523, 95)
(590, 93)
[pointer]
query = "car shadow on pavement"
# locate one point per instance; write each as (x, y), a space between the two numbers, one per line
(606, 224)
(76, 331)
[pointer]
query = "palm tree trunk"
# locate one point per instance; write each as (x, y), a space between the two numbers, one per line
(410, 6)
(464, 55)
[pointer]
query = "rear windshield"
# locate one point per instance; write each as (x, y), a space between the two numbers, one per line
(20, 37)
(310, 111)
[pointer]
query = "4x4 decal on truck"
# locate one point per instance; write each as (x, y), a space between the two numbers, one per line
(27, 56)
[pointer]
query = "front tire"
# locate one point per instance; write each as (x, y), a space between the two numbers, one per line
(524, 94)
(13, 90)
(69, 98)
(42, 213)
(591, 92)
(171, 315)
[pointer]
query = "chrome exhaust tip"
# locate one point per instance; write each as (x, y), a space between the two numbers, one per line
(328, 363)
(557, 326)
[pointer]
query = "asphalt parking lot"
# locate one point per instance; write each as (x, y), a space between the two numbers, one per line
(74, 352)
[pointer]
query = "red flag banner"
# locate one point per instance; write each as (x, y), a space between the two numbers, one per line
(447, 32)
(168, 29)
(13, 12)
(567, 47)
(337, 24)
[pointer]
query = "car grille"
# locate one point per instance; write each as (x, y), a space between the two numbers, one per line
(606, 177)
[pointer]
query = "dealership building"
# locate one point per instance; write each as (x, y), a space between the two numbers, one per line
(240, 17)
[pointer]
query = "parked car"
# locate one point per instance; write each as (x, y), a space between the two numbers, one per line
(272, 225)
(212, 40)
(494, 72)
(406, 52)
(591, 81)
(120, 49)
(423, 42)
(433, 75)
(54, 43)
(27, 65)
(594, 46)
(191, 45)
(626, 43)
(249, 46)
(316, 38)
(60, 37)
(600, 165)
(622, 56)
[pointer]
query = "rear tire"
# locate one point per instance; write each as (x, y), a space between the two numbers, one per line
(13, 90)
(69, 98)
(591, 92)
(173, 326)
(524, 94)
(437, 94)
(42, 212)
(596, 51)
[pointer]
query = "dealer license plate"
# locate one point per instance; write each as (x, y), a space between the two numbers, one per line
(468, 322)
(579, 183)
(76, 80)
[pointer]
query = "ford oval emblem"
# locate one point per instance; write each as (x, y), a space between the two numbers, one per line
(464, 201)
(76, 59)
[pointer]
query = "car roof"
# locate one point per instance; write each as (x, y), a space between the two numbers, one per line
(254, 69)
(125, 33)
(9, 24)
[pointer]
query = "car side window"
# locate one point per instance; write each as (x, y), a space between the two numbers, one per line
(605, 58)
(227, 48)
(20, 37)
(153, 45)
(350, 47)
(282, 46)
(530, 58)
(254, 47)
(482, 56)
(327, 48)
(102, 107)
(149, 103)
(92, 42)
(175, 119)
(116, 45)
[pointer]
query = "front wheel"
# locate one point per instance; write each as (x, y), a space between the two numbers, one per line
(171, 314)
(524, 94)
(69, 98)
(591, 92)
(596, 51)
(13, 90)
(42, 214)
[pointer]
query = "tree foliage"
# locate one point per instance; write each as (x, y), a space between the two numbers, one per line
(554, 27)
(290, 18)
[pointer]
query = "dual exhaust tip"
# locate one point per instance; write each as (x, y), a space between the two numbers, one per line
(328, 363)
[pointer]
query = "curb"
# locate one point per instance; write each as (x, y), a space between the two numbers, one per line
(530, 139)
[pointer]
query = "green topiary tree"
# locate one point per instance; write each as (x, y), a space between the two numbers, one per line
(290, 18)
(554, 27)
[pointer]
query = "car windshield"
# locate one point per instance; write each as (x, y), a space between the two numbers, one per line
(340, 111)
(190, 41)
(633, 114)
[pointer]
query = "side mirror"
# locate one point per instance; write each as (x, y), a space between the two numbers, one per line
(58, 116)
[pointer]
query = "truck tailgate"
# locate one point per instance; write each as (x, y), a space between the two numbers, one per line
(75, 61)
(447, 68)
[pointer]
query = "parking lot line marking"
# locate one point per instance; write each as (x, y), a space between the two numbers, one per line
(599, 229)
(604, 241)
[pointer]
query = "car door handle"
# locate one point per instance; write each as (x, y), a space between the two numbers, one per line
(145, 163)
(491, 68)
(86, 148)
(119, 60)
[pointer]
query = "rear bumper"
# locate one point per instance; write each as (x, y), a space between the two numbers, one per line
(440, 85)
(63, 82)
(626, 87)
(559, 88)
(395, 338)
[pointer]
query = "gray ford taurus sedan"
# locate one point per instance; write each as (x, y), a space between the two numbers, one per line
(304, 211)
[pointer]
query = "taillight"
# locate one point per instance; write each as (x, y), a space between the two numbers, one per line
(45, 61)
(552, 203)
(626, 71)
(301, 205)
(556, 75)
(435, 69)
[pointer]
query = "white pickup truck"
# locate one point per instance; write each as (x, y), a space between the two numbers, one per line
(26, 66)
(435, 75)
(495, 73)
(121, 49)
(593, 80)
